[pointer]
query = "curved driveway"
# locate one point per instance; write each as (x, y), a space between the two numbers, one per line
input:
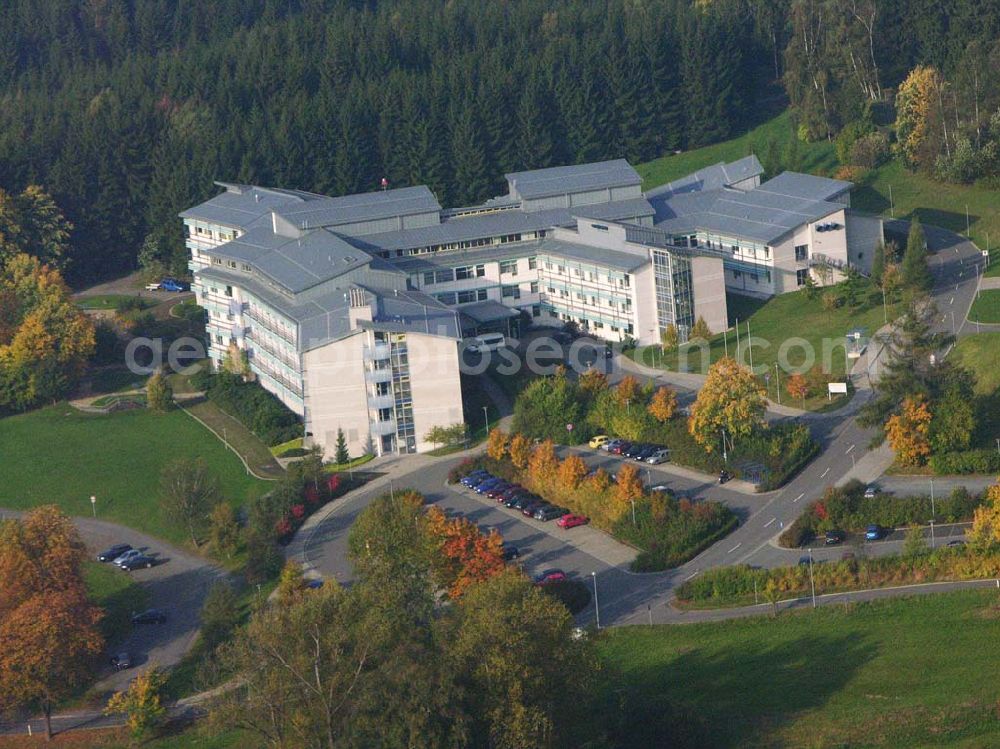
(626, 597)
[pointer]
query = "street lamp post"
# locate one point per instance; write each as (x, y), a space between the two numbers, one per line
(812, 582)
(725, 455)
(486, 417)
(777, 382)
(597, 605)
(932, 534)
(885, 311)
(93, 504)
(633, 510)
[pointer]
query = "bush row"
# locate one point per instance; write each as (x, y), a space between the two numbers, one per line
(967, 461)
(846, 508)
(258, 410)
(735, 586)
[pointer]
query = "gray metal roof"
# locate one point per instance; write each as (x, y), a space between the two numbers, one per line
(295, 264)
(240, 206)
(297, 311)
(797, 185)
(468, 228)
(560, 180)
(413, 311)
(712, 177)
(370, 206)
(600, 256)
(488, 311)
(470, 256)
(757, 215)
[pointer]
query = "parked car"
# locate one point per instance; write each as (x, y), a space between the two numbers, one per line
(871, 491)
(874, 532)
(497, 489)
(509, 492)
(571, 521)
(646, 452)
(135, 563)
(805, 560)
(546, 514)
(724, 476)
(599, 441)
(550, 576)
(150, 616)
(172, 284)
(522, 501)
(121, 661)
(663, 488)
(474, 478)
(620, 448)
(634, 449)
(486, 485)
(109, 555)
(611, 444)
(510, 552)
(124, 557)
(834, 537)
(531, 508)
(153, 286)
(661, 455)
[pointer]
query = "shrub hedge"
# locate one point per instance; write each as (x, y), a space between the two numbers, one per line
(734, 586)
(968, 461)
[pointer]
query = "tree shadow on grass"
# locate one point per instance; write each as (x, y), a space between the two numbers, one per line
(732, 697)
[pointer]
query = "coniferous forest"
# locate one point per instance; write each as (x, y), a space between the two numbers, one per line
(127, 110)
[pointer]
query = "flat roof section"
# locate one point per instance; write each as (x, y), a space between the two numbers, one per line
(562, 180)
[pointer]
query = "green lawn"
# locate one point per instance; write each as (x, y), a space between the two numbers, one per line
(818, 158)
(108, 301)
(986, 307)
(781, 318)
(981, 354)
(911, 672)
(115, 592)
(62, 456)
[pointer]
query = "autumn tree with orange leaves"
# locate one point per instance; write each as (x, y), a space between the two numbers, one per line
(542, 465)
(496, 444)
(628, 488)
(663, 404)
(465, 555)
(798, 387)
(520, 450)
(48, 626)
(908, 432)
(627, 390)
(731, 400)
(571, 472)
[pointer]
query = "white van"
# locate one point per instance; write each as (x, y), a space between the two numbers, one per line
(488, 342)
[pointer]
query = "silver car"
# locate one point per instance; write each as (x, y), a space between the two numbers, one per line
(130, 554)
(660, 456)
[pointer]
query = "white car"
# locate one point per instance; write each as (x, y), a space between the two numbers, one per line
(659, 488)
(871, 492)
(660, 456)
(152, 287)
(131, 553)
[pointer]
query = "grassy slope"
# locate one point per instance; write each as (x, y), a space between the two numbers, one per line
(61, 456)
(981, 354)
(986, 308)
(912, 194)
(904, 673)
(816, 157)
(116, 593)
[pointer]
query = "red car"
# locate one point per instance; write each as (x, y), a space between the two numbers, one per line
(571, 521)
(550, 576)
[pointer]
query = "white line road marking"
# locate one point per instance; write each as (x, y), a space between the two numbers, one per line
(849, 449)
(951, 301)
(769, 522)
(695, 574)
(799, 497)
(735, 548)
(825, 472)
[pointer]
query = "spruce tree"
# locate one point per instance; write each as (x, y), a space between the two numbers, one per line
(916, 273)
(341, 455)
(472, 177)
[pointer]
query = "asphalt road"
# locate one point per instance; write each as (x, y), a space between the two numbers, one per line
(627, 597)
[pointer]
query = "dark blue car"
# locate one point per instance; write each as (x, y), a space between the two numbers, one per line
(172, 284)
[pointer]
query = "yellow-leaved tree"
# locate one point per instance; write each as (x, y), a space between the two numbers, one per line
(919, 117)
(732, 400)
(663, 404)
(496, 444)
(571, 472)
(520, 450)
(908, 432)
(985, 532)
(628, 489)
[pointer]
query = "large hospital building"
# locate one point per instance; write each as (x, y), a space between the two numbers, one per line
(350, 309)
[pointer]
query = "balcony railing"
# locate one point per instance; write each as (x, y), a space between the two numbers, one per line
(383, 427)
(271, 326)
(375, 376)
(259, 342)
(278, 377)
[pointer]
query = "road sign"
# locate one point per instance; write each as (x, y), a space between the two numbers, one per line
(569, 427)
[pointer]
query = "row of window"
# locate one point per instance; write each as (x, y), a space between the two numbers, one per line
(232, 264)
(462, 297)
(463, 245)
(590, 275)
(446, 275)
